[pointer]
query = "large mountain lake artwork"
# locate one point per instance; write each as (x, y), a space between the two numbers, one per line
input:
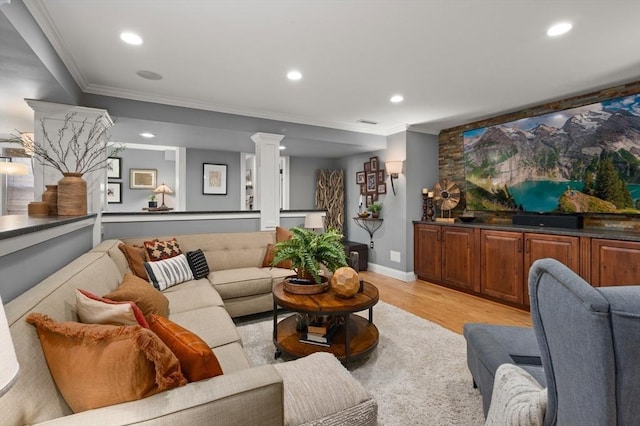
(584, 159)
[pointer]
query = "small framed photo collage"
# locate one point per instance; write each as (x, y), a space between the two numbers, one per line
(372, 180)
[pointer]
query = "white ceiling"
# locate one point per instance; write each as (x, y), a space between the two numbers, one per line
(454, 61)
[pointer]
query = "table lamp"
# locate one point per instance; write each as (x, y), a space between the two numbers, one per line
(314, 221)
(163, 189)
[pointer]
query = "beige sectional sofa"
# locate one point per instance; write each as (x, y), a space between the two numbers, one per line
(296, 392)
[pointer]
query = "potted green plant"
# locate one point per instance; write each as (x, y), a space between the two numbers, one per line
(375, 208)
(152, 201)
(308, 250)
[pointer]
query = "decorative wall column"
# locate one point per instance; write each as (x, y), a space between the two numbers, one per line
(267, 184)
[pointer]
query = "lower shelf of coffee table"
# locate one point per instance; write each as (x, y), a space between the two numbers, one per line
(363, 339)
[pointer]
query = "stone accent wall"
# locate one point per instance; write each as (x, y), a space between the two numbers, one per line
(451, 165)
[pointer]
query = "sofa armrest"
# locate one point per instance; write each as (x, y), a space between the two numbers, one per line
(245, 397)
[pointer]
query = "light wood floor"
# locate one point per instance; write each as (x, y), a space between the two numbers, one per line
(449, 308)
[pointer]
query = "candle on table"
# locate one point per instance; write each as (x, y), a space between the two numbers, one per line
(430, 194)
(425, 190)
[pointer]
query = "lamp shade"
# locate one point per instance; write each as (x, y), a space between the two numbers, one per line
(8, 361)
(8, 167)
(393, 167)
(163, 189)
(314, 221)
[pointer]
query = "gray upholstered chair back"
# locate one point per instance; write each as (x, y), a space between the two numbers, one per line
(590, 347)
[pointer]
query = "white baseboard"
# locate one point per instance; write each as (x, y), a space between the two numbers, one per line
(393, 273)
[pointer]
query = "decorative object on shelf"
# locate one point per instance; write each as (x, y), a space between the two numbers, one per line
(394, 168)
(72, 195)
(38, 209)
(448, 195)
(375, 209)
(467, 217)
(153, 203)
(370, 225)
(162, 189)
(307, 250)
(427, 205)
(364, 214)
(114, 168)
(345, 282)
(50, 196)
(114, 193)
(214, 179)
(142, 178)
(296, 285)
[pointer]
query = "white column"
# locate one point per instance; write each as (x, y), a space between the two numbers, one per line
(267, 184)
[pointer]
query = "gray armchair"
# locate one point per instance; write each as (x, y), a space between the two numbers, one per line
(588, 341)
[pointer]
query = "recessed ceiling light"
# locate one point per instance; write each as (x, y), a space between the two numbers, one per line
(559, 29)
(131, 38)
(147, 135)
(149, 75)
(294, 75)
(397, 99)
(282, 147)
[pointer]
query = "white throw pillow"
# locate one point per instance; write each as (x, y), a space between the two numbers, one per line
(517, 399)
(169, 272)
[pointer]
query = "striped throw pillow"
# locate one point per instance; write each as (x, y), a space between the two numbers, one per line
(198, 264)
(169, 272)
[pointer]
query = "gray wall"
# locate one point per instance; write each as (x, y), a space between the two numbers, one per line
(196, 200)
(134, 200)
(302, 181)
(421, 169)
(25, 268)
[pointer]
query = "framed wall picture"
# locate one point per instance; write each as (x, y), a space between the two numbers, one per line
(369, 199)
(360, 177)
(214, 179)
(367, 167)
(114, 193)
(374, 196)
(382, 188)
(372, 184)
(363, 189)
(142, 178)
(114, 167)
(380, 176)
(374, 164)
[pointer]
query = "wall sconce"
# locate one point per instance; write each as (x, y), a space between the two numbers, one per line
(394, 168)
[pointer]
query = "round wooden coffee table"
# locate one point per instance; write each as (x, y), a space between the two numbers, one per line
(355, 339)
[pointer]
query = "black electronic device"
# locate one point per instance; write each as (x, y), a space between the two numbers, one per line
(549, 220)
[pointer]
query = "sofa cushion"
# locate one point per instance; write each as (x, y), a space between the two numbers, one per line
(232, 357)
(213, 325)
(160, 250)
(517, 398)
(136, 256)
(197, 361)
(190, 295)
(282, 234)
(198, 264)
(144, 295)
(268, 259)
(99, 365)
(169, 272)
(241, 282)
(94, 309)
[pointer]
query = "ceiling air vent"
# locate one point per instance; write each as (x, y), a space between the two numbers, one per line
(362, 121)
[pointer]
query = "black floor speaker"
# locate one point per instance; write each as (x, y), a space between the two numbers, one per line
(549, 220)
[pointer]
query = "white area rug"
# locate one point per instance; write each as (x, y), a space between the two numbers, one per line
(418, 373)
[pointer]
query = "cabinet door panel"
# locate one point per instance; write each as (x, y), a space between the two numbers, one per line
(427, 258)
(615, 262)
(501, 272)
(457, 257)
(563, 248)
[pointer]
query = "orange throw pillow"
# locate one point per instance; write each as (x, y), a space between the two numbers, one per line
(134, 289)
(197, 360)
(98, 365)
(268, 259)
(282, 234)
(136, 256)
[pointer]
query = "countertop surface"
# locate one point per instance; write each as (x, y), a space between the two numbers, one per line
(16, 225)
(610, 233)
